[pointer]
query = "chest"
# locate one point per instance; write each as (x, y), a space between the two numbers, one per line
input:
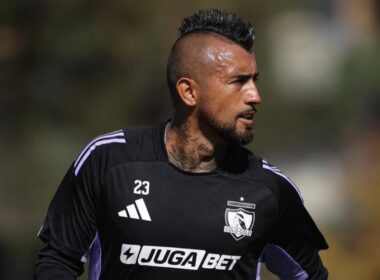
(154, 203)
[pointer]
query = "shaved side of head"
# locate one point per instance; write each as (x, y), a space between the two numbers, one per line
(193, 56)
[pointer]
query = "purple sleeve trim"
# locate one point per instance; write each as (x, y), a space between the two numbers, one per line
(96, 259)
(258, 270)
(282, 264)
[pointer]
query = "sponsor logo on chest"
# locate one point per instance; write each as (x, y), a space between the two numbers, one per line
(173, 257)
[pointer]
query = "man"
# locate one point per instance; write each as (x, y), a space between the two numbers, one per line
(184, 199)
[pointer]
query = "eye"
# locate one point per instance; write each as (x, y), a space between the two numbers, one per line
(241, 80)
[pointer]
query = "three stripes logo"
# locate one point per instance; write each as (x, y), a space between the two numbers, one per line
(137, 211)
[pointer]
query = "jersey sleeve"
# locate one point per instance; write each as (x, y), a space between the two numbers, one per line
(70, 227)
(70, 224)
(292, 248)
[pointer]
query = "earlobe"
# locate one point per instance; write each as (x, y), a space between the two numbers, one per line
(186, 89)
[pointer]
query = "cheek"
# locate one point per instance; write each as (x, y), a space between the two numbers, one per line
(228, 105)
(224, 109)
(220, 101)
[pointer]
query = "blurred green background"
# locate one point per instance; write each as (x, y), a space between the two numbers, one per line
(71, 70)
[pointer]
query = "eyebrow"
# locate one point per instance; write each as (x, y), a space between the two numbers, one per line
(247, 76)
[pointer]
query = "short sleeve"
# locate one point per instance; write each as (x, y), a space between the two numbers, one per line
(292, 248)
(295, 225)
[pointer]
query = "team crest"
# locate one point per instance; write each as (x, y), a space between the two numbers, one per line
(239, 221)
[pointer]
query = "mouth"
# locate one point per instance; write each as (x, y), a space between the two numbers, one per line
(247, 115)
(246, 118)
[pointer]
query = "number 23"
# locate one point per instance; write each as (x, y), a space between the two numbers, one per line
(141, 187)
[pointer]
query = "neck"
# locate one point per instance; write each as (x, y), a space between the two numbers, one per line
(191, 150)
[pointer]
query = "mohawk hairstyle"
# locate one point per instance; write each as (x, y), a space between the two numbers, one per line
(222, 22)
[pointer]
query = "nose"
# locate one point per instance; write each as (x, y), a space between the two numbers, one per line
(252, 94)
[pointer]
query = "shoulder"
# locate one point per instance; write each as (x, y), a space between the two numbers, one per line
(97, 145)
(273, 178)
(282, 184)
(107, 150)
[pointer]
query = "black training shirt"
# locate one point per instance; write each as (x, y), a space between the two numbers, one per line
(125, 206)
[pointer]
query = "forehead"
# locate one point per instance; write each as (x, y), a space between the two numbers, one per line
(228, 57)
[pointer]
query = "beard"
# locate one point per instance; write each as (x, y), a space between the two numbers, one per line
(225, 130)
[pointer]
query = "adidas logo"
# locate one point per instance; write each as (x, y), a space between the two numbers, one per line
(136, 211)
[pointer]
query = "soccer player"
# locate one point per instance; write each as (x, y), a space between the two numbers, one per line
(184, 199)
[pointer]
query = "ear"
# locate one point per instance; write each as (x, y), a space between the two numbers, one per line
(187, 91)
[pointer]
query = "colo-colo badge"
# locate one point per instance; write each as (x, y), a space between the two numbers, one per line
(239, 220)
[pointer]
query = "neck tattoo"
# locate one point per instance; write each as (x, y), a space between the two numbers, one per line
(186, 153)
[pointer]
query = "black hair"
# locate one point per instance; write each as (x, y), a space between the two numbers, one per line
(224, 23)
